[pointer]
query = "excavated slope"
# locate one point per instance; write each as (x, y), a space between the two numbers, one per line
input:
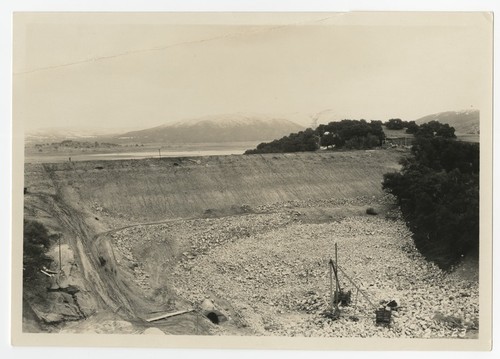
(154, 189)
(84, 200)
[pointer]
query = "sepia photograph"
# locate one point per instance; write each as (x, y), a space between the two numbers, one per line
(252, 180)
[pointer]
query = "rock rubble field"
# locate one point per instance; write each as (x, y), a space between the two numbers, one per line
(267, 270)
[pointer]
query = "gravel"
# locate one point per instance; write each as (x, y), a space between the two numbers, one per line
(273, 269)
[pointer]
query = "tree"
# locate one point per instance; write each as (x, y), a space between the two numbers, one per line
(328, 139)
(358, 134)
(435, 128)
(446, 131)
(395, 124)
(412, 127)
(306, 140)
(438, 192)
(362, 142)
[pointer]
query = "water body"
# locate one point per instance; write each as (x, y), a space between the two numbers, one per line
(138, 155)
(130, 155)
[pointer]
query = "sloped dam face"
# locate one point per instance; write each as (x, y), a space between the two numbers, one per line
(252, 235)
(157, 189)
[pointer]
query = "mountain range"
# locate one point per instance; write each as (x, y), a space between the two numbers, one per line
(221, 128)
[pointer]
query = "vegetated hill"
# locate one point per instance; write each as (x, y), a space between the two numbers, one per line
(220, 128)
(464, 122)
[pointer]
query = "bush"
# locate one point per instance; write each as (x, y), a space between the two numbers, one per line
(371, 211)
(36, 243)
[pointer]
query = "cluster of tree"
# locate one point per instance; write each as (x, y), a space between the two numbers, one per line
(438, 192)
(307, 140)
(396, 124)
(435, 128)
(429, 129)
(36, 243)
(349, 134)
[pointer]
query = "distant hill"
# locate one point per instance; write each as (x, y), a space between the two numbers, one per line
(58, 134)
(223, 128)
(464, 122)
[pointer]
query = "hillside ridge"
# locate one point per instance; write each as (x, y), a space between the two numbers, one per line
(223, 128)
(464, 121)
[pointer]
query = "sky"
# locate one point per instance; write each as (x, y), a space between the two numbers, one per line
(123, 70)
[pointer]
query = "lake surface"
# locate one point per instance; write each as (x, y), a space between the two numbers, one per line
(130, 155)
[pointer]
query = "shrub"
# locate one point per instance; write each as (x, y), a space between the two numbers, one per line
(371, 211)
(36, 243)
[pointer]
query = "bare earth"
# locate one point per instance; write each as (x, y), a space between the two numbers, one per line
(253, 234)
(268, 272)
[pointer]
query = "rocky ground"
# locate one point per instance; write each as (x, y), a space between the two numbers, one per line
(268, 271)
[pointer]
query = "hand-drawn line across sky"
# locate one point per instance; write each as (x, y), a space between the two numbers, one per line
(166, 47)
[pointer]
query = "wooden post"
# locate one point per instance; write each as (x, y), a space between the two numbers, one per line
(336, 277)
(197, 313)
(331, 284)
(168, 315)
(336, 259)
(159, 152)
